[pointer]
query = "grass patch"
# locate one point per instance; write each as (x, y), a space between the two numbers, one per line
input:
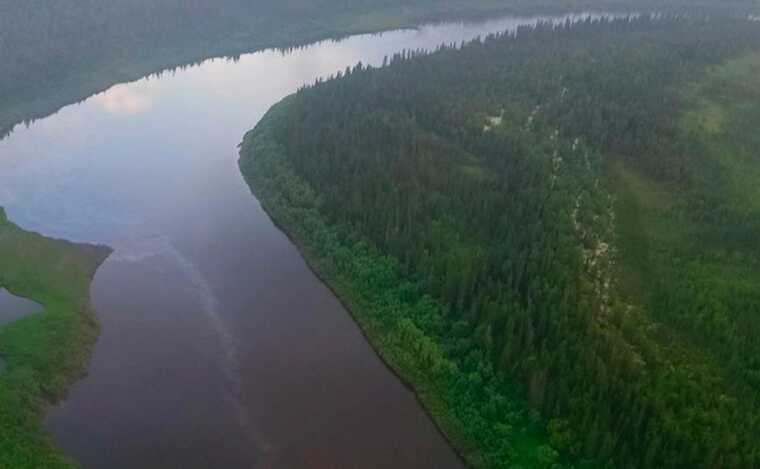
(43, 352)
(689, 250)
(723, 111)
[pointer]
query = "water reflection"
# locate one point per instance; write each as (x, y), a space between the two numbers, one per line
(125, 99)
(93, 171)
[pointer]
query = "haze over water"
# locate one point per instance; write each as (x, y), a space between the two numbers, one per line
(218, 346)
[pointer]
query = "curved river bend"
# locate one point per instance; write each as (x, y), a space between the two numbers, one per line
(219, 348)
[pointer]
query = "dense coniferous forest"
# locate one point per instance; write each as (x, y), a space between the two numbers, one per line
(552, 236)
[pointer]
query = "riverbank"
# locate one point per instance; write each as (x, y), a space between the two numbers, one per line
(44, 352)
(383, 304)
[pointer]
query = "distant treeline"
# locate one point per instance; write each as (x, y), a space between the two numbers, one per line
(54, 52)
(493, 213)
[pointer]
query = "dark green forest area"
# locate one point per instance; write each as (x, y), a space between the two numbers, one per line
(55, 52)
(553, 236)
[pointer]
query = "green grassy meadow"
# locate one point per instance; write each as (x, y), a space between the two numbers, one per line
(690, 252)
(44, 352)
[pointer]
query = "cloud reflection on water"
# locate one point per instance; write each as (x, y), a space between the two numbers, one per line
(121, 99)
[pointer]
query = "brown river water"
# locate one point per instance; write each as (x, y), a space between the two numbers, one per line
(219, 348)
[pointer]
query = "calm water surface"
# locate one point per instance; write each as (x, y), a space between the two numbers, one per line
(219, 348)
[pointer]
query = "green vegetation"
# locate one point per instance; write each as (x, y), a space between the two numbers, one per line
(700, 236)
(55, 52)
(43, 352)
(552, 238)
(407, 327)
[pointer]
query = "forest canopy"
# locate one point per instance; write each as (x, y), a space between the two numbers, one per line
(552, 235)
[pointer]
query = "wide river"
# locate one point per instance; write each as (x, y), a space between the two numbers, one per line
(219, 348)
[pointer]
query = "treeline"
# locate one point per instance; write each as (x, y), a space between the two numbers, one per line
(481, 176)
(54, 52)
(39, 37)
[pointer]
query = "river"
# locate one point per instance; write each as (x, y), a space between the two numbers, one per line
(218, 346)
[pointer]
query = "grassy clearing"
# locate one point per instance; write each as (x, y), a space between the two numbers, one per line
(732, 92)
(722, 118)
(690, 252)
(43, 352)
(730, 149)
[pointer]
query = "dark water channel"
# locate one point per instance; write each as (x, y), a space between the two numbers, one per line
(13, 307)
(219, 348)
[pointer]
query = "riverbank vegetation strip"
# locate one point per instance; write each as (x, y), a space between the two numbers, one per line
(43, 352)
(552, 237)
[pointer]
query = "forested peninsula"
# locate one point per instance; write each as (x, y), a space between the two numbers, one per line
(552, 236)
